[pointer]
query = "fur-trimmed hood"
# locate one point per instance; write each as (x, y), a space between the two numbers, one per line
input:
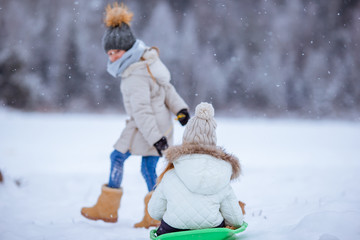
(175, 152)
(203, 169)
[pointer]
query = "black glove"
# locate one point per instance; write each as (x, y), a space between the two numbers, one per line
(161, 145)
(183, 116)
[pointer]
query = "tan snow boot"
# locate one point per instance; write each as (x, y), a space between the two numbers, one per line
(147, 221)
(106, 207)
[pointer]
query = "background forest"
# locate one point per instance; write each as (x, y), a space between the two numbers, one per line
(272, 58)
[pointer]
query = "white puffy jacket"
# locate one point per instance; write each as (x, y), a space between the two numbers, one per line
(197, 193)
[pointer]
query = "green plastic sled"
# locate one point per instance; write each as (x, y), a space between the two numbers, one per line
(201, 234)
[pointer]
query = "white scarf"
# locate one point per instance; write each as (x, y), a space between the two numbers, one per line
(130, 56)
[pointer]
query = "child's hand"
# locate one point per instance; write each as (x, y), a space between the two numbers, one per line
(161, 145)
(242, 205)
(230, 227)
(183, 116)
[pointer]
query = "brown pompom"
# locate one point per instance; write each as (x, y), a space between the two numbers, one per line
(116, 15)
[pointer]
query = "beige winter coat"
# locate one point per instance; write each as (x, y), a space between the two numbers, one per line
(150, 100)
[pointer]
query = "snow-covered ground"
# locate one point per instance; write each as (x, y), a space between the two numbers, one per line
(300, 178)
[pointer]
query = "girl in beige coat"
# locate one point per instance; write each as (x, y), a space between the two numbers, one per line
(149, 99)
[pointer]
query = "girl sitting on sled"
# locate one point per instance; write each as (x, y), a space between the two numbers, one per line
(194, 191)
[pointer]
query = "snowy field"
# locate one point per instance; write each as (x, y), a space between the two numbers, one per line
(301, 179)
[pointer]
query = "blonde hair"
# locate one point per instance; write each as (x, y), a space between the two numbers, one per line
(167, 168)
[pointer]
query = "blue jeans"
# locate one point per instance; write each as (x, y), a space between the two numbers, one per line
(148, 169)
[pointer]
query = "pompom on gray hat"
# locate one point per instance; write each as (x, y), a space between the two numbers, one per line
(201, 129)
(118, 34)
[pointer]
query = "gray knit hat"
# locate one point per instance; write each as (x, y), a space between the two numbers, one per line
(201, 129)
(118, 34)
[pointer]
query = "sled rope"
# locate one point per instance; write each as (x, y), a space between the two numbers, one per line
(151, 75)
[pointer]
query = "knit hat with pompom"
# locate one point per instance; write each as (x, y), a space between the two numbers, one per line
(201, 129)
(118, 34)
